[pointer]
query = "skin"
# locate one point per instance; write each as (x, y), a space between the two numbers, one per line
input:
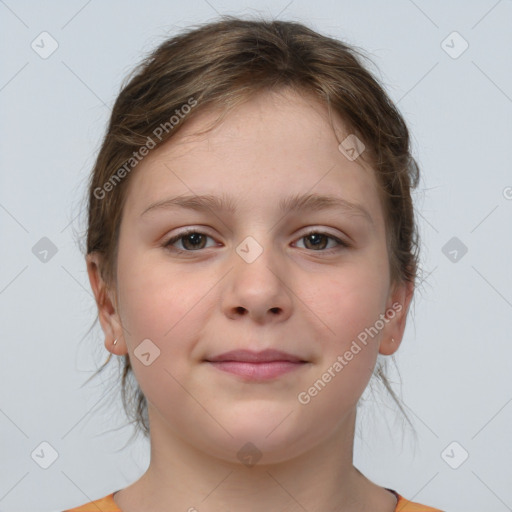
(311, 301)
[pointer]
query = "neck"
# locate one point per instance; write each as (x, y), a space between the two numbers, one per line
(180, 477)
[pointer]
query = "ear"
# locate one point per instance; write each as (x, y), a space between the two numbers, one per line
(107, 308)
(396, 312)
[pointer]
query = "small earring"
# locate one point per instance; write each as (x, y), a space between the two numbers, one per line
(393, 340)
(115, 341)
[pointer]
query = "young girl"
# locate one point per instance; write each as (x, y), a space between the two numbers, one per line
(252, 249)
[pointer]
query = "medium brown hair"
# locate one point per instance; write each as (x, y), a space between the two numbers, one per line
(220, 65)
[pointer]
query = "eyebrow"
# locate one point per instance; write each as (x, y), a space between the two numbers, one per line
(298, 202)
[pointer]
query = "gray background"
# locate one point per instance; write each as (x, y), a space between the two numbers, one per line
(455, 360)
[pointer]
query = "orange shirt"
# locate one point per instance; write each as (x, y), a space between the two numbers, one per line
(107, 504)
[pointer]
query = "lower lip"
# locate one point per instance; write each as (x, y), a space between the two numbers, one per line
(257, 371)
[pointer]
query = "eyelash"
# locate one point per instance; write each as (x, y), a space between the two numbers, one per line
(341, 244)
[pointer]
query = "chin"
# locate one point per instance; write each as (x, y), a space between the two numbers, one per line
(256, 441)
(254, 450)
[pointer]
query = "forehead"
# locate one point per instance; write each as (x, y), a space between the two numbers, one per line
(273, 145)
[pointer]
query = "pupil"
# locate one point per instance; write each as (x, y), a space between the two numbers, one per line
(316, 239)
(195, 237)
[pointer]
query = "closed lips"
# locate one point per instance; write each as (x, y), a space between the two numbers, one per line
(248, 356)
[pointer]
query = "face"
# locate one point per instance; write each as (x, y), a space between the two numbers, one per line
(312, 281)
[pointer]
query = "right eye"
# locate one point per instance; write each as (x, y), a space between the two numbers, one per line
(191, 241)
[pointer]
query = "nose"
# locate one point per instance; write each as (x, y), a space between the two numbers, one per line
(258, 289)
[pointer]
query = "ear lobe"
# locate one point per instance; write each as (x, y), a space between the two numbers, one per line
(107, 313)
(399, 302)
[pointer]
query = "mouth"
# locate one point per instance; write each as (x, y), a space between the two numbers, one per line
(268, 364)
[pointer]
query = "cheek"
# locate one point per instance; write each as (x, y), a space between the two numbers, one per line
(351, 300)
(154, 298)
(164, 309)
(350, 303)
(164, 306)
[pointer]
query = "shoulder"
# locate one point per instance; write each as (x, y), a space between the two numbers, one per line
(106, 504)
(404, 505)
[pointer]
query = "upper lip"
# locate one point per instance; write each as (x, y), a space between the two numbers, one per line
(255, 357)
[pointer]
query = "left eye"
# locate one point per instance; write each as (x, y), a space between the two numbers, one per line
(319, 240)
(194, 240)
